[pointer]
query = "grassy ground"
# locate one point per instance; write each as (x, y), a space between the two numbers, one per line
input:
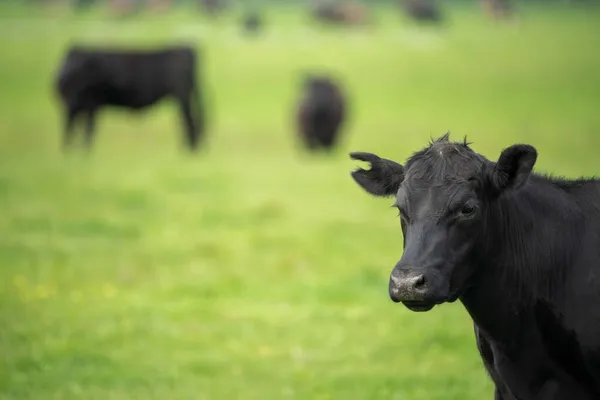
(253, 270)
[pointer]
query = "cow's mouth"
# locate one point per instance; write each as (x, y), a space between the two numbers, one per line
(419, 306)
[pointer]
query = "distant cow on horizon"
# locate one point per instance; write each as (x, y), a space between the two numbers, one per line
(213, 7)
(498, 9)
(422, 10)
(252, 22)
(321, 112)
(351, 13)
(90, 79)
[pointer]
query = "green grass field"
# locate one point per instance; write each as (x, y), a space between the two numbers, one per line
(254, 270)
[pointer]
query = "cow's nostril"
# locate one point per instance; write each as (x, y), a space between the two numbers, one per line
(419, 282)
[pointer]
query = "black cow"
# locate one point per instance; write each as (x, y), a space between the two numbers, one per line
(252, 22)
(351, 13)
(213, 7)
(520, 250)
(92, 78)
(498, 9)
(422, 10)
(321, 112)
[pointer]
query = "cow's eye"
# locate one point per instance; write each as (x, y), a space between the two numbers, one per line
(467, 210)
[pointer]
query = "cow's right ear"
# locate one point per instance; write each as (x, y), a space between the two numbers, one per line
(383, 179)
(514, 167)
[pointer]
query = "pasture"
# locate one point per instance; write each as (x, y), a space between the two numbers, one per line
(253, 270)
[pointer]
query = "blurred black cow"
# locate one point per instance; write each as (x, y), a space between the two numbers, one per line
(422, 10)
(213, 7)
(341, 13)
(134, 79)
(252, 22)
(498, 9)
(321, 113)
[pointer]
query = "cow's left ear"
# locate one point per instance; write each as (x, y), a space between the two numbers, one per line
(514, 166)
(383, 179)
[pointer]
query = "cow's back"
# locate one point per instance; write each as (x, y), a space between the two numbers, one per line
(130, 78)
(142, 78)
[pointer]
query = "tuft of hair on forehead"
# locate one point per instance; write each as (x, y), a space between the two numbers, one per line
(445, 138)
(445, 159)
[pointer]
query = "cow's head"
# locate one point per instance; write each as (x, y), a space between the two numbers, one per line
(443, 193)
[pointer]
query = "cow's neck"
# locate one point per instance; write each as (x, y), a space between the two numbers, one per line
(521, 259)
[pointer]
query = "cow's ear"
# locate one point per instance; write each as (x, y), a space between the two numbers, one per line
(514, 166)
(382, 179)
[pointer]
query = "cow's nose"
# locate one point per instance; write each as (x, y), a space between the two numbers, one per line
(407, 286)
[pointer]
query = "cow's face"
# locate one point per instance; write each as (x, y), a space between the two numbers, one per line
(79, 73)
(443, 195)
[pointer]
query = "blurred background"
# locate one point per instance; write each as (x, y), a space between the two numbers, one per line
(255, 268)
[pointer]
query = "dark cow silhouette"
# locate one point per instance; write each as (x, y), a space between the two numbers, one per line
(422, 10)
(213, 7)
(252, 22)
(498, 9)
(90, 79)
(321, 112)
(125, 8)
(520, 250)
(341, 13)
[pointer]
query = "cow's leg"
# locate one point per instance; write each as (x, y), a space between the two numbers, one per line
(69, 127)
(191, 130)
(200, 112)
(90, 128)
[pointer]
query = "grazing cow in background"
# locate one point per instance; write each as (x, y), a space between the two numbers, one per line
(213, 7)
(252, 22)
(321, 112)
(520, 250)
(125, 8)
(341, 13)
(422, 10)
(134, 79)
(498, 9)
